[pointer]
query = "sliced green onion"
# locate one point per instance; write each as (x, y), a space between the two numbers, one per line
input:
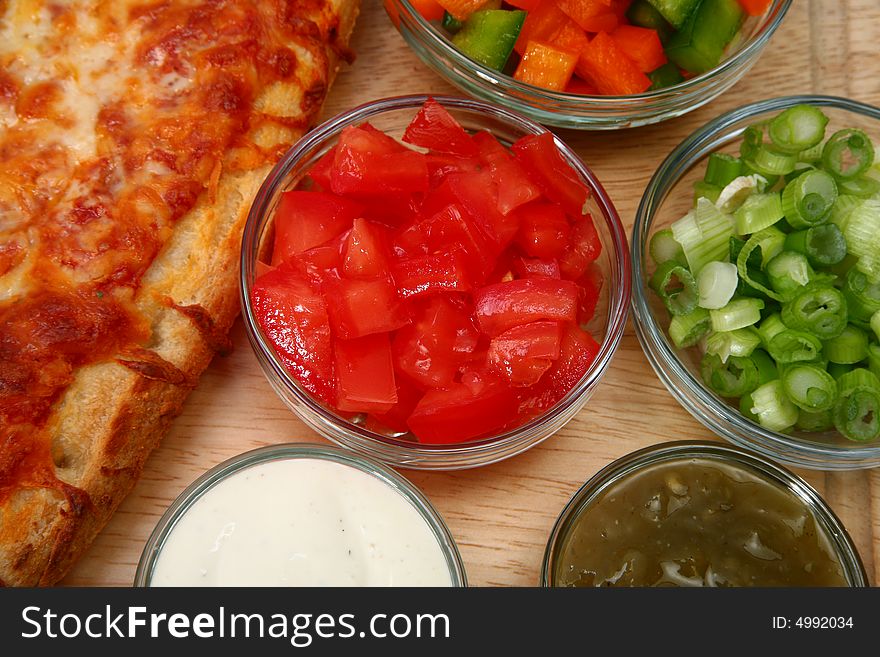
(745, 407)
(818, 310)
(875, 324)
(774, 410)
(824, 245)
(738, 191)
(848, 348)
(677, 288)
(664, 248)
(857, 412)
(848, 153)
(740, 343)
(798, 128)
(837, 370)
(716, 284)
(770, 161)
(811, 155)
(770, 327)
(737, 314)
(704, 234)
(722, 169)
(861, 187)
(874, 359)
(862, 229)
(770, 241)
(752, 140)
(767, 370)
(842, 209)
(862, 296)
(788, 272)
(814, 421)
(790, 346)
(733, 378)
(688, 330)
(706, 191)
(869, 265)
(810, 387)
(807, 200)
(758, 211)
(799, 169)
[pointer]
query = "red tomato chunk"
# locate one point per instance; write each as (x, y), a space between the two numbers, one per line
(436, 295)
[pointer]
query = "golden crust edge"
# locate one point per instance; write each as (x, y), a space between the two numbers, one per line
(129, 431)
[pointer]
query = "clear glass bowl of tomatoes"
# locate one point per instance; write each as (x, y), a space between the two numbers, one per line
(438, 283)
(580, 104)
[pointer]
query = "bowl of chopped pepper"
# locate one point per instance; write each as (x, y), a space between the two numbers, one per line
(756, 254)
(436, 282)
(590, 64)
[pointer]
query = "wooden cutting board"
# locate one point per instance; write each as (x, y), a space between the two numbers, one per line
(501, 515)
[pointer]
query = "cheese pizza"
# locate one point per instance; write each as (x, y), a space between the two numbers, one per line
(133, 136)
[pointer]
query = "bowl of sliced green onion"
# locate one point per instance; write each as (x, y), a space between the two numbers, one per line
(756, 255)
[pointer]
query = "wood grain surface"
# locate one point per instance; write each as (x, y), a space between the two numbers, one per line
(501, 515)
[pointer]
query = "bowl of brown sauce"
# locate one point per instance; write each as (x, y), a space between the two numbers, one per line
(699, 514)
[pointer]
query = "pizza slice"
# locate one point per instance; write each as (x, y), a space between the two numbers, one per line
(133, 136)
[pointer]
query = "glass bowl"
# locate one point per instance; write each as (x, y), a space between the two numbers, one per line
(166, 524)
(393, 115)
(586, 112)
(592, 491)
(668, 196)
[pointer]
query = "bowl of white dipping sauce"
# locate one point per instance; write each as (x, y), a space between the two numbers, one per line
(301, 515)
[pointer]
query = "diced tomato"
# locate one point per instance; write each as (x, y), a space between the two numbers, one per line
(320, 263)
(452, 228)
(577, 352)
(365, 252)
(459, 412)
(393, 211)
(365, 375)
(395, 418)
(432, 274)
(359, 308)
(526, 5)
(533, 267)
(321, 171)
(543, 230)
(441, 165)
(584, 248)
(294, 319)
(607, 67)
(522, 354)
(503, 271)
(366, 164)
(591, 289)
(478, 194)
(542, 160)
(755, 7)
(502, 306)
(307, 219)
(590, 15)
(409, 241)
(433, 127)
(640, 44)
(545, 66)
(514, 187)
(430, 350)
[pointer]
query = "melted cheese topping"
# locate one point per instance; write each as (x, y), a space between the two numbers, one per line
(116, 119)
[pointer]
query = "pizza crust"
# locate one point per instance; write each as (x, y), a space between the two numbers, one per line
(111, 417)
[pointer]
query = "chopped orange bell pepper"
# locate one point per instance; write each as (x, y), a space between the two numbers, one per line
(591, 15)
(546, 66)
(461, 9)
(640, 44)
(526, 5)
(580, 87)
(606, 66)
(548, 24)
(431, 10)
(755, 7)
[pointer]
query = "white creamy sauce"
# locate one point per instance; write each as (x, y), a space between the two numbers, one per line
(301, 522)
